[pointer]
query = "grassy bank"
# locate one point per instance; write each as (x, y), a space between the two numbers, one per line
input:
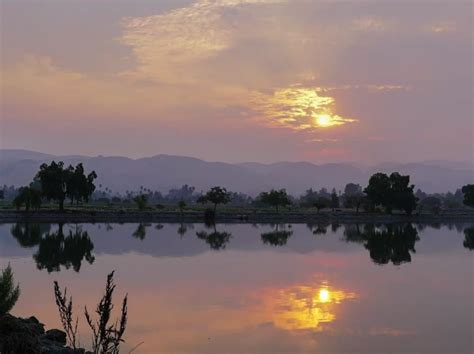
(87, 215)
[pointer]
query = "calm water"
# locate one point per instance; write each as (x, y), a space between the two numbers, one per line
(259, 288)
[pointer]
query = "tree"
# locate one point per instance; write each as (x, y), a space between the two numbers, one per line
(402, 196)
(216, 195)
(352, 189)
(54, 179)
(334, 200)
(353, 196)
(9, 293)
(80, 187)
(275, 198)
(354, 201)
(182, 205)
(432, 203)
(394, 192)
(185, 193)
(141, 201)
(468, 191)
(308, 199)
(322, 203)
(378, 190)
(58, 183)
(29, 197)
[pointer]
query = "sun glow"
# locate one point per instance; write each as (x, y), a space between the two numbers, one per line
(298, 108)
(324, 295)
(306, 307)
(324, 120)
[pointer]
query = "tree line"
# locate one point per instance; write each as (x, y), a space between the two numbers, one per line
(54, 182)
(57, 183)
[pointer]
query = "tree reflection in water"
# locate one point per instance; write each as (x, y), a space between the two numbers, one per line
(217, 240)
(278, 237)
(469, 238)
(55, 249)
(390, 243)
(28, 234)
(318, 228)
(140, 232)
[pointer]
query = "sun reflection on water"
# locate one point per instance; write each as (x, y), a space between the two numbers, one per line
(306, 307)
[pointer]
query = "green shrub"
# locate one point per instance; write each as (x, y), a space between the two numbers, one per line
(9, 293)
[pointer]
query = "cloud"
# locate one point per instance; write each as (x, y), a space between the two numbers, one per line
(58, 92)
(313, 71)
(441, 27)
(370, 24)
(390, 332)
(297, 108)
(169, 46)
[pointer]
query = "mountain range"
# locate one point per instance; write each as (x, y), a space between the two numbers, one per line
(163, 172)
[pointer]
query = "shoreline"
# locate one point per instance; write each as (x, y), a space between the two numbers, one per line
(79, 216)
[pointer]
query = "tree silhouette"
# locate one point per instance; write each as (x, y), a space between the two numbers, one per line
(54, 179)
(317, 229)
(55, 249)
(353, 196)
(469, 238)
(321, 203)
(29, 196)
(276, 237)
(182, 229)
(394, 192)
(140, 232)
(432, 203)
(141, 201)
(216, 195)
(29, 234)
(378, 190)
(468, 191)
(334, 200)
(275, 198)
(390, 244)
(58, 182)
(79, 186)
(402, 196)
(9, 292)
(182, 205)
(215, 239)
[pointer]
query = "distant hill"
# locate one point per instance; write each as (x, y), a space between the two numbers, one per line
(163, 172)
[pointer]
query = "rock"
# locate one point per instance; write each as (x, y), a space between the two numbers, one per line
(52, 347)
(20, 335)
(27, 336)
(55, 335)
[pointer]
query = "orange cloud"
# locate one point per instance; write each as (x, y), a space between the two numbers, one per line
(297, 108)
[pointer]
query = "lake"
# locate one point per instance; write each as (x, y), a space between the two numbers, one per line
(242, 288)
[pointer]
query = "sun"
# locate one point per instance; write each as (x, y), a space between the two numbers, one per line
(324, 295)
(324, 120)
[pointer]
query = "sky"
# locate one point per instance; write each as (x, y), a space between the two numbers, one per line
(239, 80)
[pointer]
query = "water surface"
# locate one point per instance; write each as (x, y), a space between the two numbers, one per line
(241, 288)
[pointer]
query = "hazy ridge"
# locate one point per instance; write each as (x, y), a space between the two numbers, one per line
(163, 172)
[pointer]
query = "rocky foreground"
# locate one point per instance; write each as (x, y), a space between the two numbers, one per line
(28, 336)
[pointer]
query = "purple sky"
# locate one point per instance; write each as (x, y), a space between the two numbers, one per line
(239, 80)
